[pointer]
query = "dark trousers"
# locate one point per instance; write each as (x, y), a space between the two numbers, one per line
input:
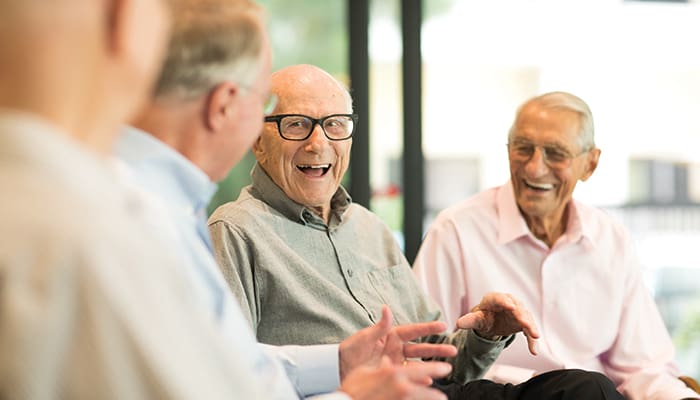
(568, 384)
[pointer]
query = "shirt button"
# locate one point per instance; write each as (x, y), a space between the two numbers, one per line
(350, 273)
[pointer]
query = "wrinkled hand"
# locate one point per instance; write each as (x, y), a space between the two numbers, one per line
(369, 345)
(391, 381)
(500, 314)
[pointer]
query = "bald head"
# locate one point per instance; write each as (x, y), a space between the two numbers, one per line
(308, 169)
(306, 84)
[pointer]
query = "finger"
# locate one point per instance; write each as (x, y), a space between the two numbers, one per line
(497, 302)
(530, 329)
(410, 332)
(381, 328)
(427, 393)
(419, 371)
(472, 320)
(531, 344)
(428, 350)
(527, 324)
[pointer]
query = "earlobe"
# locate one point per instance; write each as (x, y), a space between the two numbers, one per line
(592, 164)
(258, 151)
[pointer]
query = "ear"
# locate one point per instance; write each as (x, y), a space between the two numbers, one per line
(591, 164)
(259, 149)
(116, 24)
(221, 106)
(123, 19)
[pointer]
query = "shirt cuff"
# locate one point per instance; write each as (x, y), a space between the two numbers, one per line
(312, 369)
(486, 345)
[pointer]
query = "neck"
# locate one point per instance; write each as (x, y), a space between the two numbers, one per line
(550, 228)
(176, 125)
(47, 82)
(323, 212)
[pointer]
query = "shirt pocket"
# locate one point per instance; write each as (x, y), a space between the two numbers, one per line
(396, 287)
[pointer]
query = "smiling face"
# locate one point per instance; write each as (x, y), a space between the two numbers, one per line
(308, 171)
(541, 191)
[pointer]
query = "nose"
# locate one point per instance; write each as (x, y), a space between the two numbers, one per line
(536, 165)
(317, 139)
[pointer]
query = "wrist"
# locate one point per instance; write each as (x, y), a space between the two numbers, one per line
(493, 338)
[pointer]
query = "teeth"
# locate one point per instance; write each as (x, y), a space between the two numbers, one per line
(315, 166)
(543, 186)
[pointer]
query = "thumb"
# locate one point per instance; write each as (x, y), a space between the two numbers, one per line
(472, 320)
(382, 328)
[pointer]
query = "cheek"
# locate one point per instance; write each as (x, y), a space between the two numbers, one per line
(343, 163)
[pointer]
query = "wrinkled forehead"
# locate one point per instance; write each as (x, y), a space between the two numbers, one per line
(554, 120)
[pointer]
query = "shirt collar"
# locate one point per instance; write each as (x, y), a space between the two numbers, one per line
(512, 224)
(149, 156)
(266, 189)
(576, 229)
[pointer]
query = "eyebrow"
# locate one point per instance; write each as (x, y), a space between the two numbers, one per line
(545, 144)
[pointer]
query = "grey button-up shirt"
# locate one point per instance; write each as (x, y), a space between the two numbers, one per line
(302, 281)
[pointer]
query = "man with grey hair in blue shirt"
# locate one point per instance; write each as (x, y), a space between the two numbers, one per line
(208, 109)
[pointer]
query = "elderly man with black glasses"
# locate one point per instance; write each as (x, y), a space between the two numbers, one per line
(311, 267)
(569, 263)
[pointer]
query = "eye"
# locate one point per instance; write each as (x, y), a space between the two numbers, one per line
(295, 123)
(333, 123)
(523, 149)
(556, 154)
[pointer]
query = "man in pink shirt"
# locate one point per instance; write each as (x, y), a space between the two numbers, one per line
(570, 264)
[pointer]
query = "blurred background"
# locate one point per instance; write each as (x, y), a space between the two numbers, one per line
(635, 63)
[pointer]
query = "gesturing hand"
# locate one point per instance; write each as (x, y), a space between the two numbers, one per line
(390, 381)
(500, 314)
(369, 345)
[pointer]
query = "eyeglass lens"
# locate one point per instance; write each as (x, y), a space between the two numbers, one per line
(553, 155)
(299, 127)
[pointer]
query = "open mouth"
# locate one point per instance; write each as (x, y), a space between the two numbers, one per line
(315, 171)
(538, 186)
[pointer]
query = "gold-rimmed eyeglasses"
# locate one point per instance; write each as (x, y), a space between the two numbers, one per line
(554, 156)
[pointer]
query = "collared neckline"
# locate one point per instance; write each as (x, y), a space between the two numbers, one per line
(267, 190)
(141, 150)
(512, 224)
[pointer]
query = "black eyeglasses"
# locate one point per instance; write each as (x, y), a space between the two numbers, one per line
(299, 127)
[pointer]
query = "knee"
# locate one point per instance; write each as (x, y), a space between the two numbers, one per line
(592, 384)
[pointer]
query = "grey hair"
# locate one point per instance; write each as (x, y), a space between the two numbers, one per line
(563, 101)
(213, 41)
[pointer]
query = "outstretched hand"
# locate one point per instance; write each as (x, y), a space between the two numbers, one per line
(368, 346)
(500, 314)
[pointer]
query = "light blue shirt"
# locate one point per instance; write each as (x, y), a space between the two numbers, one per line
(179, 192)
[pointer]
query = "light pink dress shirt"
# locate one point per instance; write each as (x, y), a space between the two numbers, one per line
(586, 293)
